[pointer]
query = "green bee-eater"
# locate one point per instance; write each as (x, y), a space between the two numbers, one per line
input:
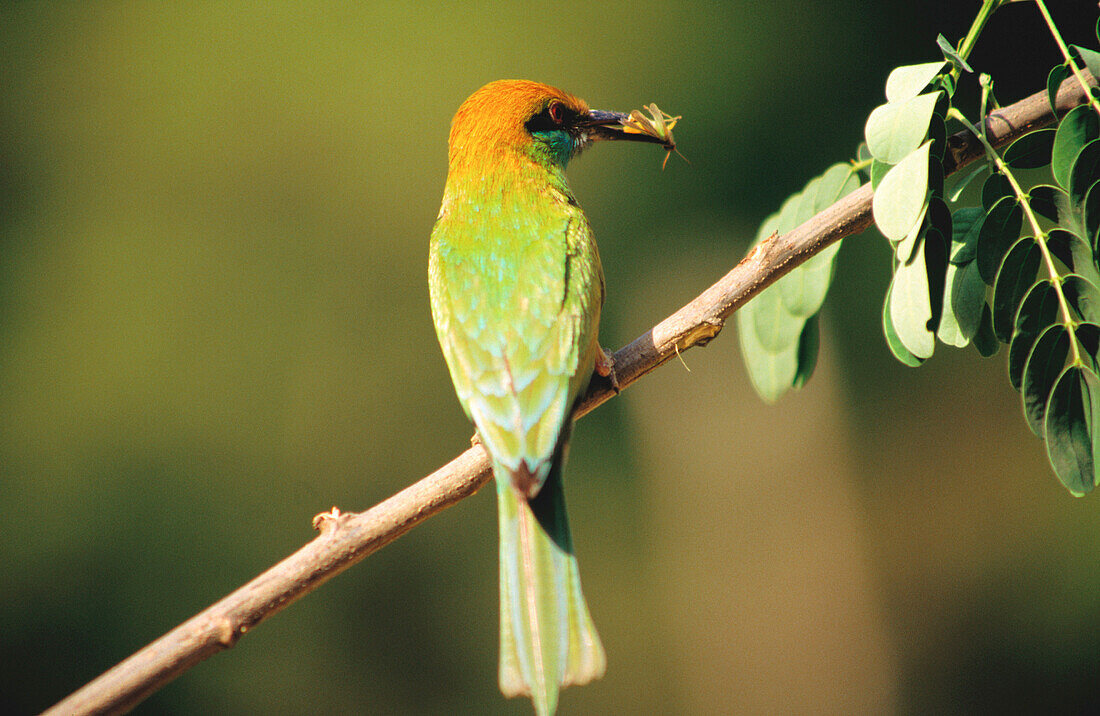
(516, 289)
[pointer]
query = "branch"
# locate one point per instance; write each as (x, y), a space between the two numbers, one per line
(347, 538)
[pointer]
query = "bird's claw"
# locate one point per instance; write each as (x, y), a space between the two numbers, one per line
(605, 368)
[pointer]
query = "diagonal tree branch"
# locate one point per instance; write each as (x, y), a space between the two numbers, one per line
(347, 538)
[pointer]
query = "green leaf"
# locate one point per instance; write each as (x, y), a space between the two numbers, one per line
(963, 299)
(1082, 261)
(1017, 274)
(1079, 127)
(910, 80)
(878, 171)
(901, 197)
(1088, 337)
(775, 329)
(947, 83)
(939, 216)
(892, 340)
(1054, 81)
(937, 134)
(771, 373)
(1091, 58)
(1070, 429)
(1031, 151)
(803, 290)
(895, 129)
(807, 352)
(1085, 172)
(1038, 311)
(1044, 200)
(966, 224)
(999, 231)
(985, 341)
(970, 176)
(787, 217)
(995, 188)
(1083, 295)
(906, 248)
(1044, 365)
(916, 296)
(1090, 208)
(951, 55)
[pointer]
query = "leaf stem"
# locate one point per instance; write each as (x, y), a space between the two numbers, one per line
(1066, 53)
(971, 39)
(1040, 235)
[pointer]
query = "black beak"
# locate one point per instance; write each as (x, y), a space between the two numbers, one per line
(610, 125)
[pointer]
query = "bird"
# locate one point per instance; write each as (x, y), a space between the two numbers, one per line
(516, 289)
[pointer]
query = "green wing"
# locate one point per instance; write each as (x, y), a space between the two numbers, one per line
(516, 300)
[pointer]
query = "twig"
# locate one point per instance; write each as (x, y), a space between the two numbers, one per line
(347, 538)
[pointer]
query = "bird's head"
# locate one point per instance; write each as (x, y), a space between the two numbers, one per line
(518, 119)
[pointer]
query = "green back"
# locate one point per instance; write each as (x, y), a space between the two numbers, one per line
(516, 287)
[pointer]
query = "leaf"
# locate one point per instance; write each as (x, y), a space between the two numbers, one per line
(984, 340)
(1091, 58)
(900, 198)
(910, 80)
(1016, 275)
(916, 296)
(939, 216)
(878, 171)
(906, 248)
(803, 290)
(1083, 295)
(966, 224)
(771, 373)
(775, 329)
(951, 55)
(947, 83)
(808, 344)
(937, 134)
(1088, 337)
(1031, 151)
(1090, 208)
(963, 300)
(1044, 200)
(999, 231)
(1070, 428)
(1054, 81)
(1079, 127)
(995, 188)
(1038, 311)
(961, 184)
(836, 182)
(895, 129)
(1044, 364)
(892, 340)
(1081, 258)
(1085, 172)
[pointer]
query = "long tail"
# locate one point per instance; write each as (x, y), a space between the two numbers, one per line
(547, 639)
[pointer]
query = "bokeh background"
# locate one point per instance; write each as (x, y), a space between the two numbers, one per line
(214, 324)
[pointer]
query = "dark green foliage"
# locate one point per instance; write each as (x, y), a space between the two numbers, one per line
(1030, 151)
(963, 274)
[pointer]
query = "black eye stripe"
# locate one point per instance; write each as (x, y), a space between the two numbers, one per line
(544, 120)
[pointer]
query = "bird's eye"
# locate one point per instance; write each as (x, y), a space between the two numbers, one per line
(556, 111)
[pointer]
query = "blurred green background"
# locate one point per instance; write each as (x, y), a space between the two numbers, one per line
(214, 324)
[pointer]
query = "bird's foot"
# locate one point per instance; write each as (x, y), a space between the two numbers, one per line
(605, 368)
(475, 440)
